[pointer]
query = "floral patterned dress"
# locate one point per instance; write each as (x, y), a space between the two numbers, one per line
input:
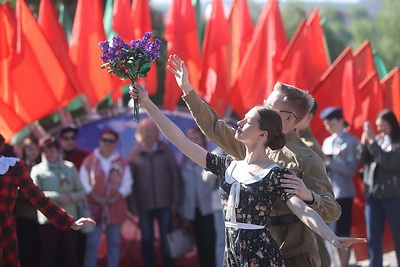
(249, 247)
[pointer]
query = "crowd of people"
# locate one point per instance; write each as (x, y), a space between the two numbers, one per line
(269, 195)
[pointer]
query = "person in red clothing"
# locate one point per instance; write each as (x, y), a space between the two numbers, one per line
(14, 174)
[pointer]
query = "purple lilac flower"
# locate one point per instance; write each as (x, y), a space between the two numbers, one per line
(105, 50)
(153, 49)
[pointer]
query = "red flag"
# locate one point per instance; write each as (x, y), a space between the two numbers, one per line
(305, 58)
(85, 52)
(141, 23)
(369, 102)
(241, 30)
(7, 42)
(391, 89)
(122, 24)
(36, 76)
(55, 35)
(10, 121)
(213, 82)
(364, 63)
(258, 70)
(181, 35)
(336, 88)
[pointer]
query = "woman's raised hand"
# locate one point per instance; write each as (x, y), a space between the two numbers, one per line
(136, 91)
(177, 67)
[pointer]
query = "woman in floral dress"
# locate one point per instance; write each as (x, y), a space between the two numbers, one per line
(247, 187)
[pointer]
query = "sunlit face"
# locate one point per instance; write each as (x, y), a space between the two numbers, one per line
(107, 144)
(149, 134)
(383, 126)
(334, 125)
(248, 127)
(51, 153)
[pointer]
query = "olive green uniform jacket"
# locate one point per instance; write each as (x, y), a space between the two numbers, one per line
(295, 238)
(308, 138)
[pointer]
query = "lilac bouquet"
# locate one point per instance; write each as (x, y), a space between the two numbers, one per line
(130, 61)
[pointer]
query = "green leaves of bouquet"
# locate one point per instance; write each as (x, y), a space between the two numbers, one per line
(130, 60)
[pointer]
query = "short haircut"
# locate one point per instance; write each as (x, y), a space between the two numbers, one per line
(314, 108)
(68, 129)
(299, 100)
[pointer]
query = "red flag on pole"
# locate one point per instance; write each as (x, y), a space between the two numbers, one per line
(36, 76)
(181, 35)
(364, 63)
(213, 83)
(85, 52)
(55, 35)
(369, 96)
(258, 70)
(391, 89)
(10, 122)
(122, 23)
(305, 58)
(241, 30)
(336, 88)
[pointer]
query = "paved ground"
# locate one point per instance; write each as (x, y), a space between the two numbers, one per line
(389, 260)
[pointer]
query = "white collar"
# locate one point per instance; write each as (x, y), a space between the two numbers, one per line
(110, 158)
(229, 179)
(6, 162)
(234, 193)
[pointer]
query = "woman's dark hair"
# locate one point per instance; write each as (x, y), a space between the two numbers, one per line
(28, 141)
(388, 116)
(271, 122)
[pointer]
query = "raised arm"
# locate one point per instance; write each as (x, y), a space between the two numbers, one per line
(172, 132)
(206, 118)
(311, 218)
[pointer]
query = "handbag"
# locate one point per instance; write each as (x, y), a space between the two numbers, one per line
(178, 243)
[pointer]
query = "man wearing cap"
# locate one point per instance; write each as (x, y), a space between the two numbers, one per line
(341, 164)
(296, 240)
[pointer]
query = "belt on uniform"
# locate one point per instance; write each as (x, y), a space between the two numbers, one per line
(283, 220)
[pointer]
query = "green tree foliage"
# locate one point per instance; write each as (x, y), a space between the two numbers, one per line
(292, 13)
(336, 34)
(387, 28)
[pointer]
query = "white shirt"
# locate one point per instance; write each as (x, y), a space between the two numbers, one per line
(125, 187)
